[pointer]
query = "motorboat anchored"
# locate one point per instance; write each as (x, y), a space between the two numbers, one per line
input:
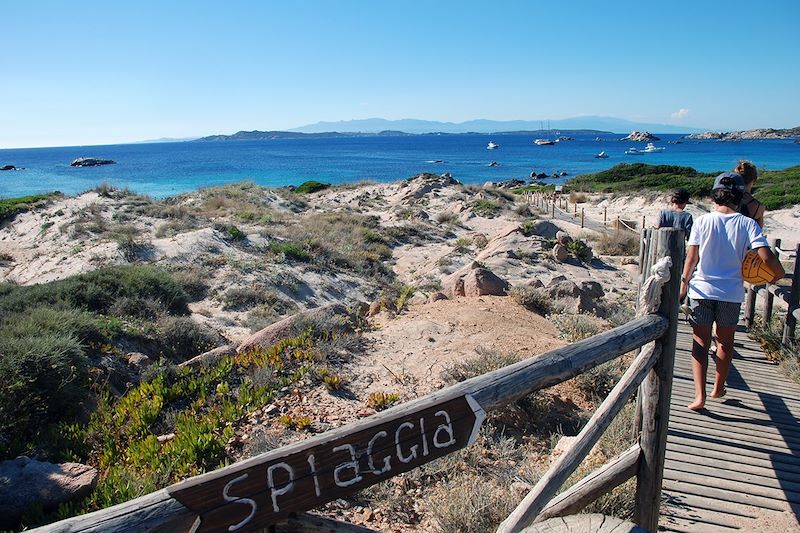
(492, 145)
(652, 148)
(601, 155)
(543, 142)
(634, 151)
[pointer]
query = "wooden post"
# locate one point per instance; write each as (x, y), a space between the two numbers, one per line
(554, 208)
(582, 215)
(750, 306)
(642, 222)
(656, 389)
(575, 209)
(775, 244)
(794, 302)
(605, 214)
(616, 232)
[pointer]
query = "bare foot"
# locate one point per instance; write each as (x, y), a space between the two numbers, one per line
(696, 405)
(720, 394)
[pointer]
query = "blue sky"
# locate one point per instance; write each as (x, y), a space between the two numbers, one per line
(82, 72)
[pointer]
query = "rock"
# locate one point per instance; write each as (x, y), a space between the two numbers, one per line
(480, 282)
(555, 280)
(417, 299)
(564, 289)
(536, 284)
(210, 357)
(335, 316)
(8, 167)
(453, 286)
(592, 289)
(630, 261)
(27, 483)
(543, 228)
(139, 361)
(436, 296)
(381, 305)
(422, 184)
(640, 136)
(360, 309)
(563, 238)
(90, 162)
(420, 215)
(560, 253)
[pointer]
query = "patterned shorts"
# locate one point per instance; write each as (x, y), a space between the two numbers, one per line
(706, 312)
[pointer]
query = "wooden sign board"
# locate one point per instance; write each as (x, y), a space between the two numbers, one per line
(265, 489)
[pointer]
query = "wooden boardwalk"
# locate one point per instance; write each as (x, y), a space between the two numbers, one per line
(735, 465)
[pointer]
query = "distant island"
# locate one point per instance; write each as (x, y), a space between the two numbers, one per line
(761, 133)
(257, 135)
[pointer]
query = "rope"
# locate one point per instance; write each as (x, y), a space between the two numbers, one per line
(650, 295)
(627, 226)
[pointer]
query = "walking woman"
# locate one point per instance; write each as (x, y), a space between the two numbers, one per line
(750, 207)
(712, 278)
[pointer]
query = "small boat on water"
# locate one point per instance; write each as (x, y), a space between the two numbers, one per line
(493, 164)
(492, 145)
(634, 151)
(543, 142)
(652, 148)
(601, 155)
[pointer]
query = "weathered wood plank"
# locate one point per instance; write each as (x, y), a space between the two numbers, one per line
(722, 495)
(732, 486)
(787, 460)
(743, 429)
(743, 475)
(584, 523)
(309, 523)
(565, 465)
(603, 480)
(683, 500)
(736, 464)
(724, 437)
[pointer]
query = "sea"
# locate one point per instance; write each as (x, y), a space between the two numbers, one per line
(168, 169)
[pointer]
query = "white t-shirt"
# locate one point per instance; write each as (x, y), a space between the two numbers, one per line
(724, 240)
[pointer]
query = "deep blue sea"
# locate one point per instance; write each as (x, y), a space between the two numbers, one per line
(167, 169)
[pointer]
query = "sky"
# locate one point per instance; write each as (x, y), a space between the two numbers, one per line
(80, 72)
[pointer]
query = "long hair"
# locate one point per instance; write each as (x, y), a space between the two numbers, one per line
(727, 197)
(746, 170)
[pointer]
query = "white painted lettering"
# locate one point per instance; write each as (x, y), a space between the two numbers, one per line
(351, 464)
(314, 473)
(244, 501)
(424, 437)
(371, 460)
(274, 491)
(413, 449)
(447, 428)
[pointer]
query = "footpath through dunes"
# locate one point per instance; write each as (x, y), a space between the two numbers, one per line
(736, 464)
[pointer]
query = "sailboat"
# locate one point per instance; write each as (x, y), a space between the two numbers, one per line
(544, 142)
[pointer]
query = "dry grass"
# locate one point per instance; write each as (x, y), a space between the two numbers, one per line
(618, 243)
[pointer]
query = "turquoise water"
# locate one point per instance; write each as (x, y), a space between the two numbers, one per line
(167, 169)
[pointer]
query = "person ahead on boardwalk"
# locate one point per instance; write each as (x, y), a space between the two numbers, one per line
(750, 207)
(675, 216)
(712, 278)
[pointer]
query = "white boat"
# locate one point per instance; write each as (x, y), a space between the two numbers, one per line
(543, 142)
(601, 155)
(634, 151)
(652, 148)
(492, 145)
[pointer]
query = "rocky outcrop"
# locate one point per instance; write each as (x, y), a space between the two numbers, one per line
(640, 136)
(90, 162)
(760, 133)
(563, 238)
(560, 253)
(336, 317)
(578, 298)
(483, 282)
(420, 185)
(27, 483)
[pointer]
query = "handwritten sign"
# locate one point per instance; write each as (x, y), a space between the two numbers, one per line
(265, 489)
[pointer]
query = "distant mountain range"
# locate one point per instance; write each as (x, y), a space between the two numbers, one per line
(257, 135)
(606, 124)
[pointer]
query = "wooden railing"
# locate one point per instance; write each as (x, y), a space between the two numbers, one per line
(787, 294)
(269, 489)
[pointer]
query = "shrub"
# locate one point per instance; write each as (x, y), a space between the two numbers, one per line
(598, 381)
(182, 338)
(230, 232)
(44, 379)
(485, 361)
(618, 243)
(535, 300)
(577, 198)
(574, 328)
(9, 207)
(445, 217)
(382, 400)
(308, 187)
(485, 208)
(402, 300)
(580, 250)
(97, 290)
(289, 250)
(639, 176)
(245, 297)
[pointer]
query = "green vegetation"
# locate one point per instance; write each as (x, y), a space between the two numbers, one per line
(628, 177)
(308, 187)
(536, 300)
(485, 208)
(289, 250)
(382, 400)
(774, 188)
(778, 188)
(11, 206)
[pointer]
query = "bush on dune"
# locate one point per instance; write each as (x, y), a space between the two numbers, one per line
(627, 177)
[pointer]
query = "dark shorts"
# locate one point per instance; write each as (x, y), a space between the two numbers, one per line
(706, 312)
